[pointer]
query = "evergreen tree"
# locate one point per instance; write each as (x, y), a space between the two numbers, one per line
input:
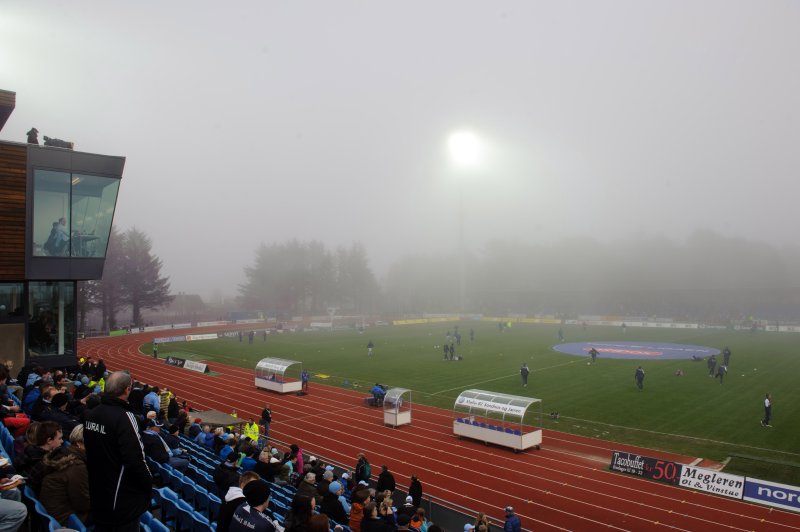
(142, 284)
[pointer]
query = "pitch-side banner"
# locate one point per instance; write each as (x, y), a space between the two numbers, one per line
(193, 337)
(772, 494)
(644, 466)
(166, 339)
(712, 481)
(175, 361)
(200, 367)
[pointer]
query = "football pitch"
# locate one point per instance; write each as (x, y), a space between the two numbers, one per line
(692, 414)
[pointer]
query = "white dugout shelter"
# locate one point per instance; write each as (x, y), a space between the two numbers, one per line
(279, 375)
(397, 407)
(502, 419)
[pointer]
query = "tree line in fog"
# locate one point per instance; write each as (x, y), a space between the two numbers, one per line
(707, 276)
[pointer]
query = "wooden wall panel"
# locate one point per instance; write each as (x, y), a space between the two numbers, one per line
(13, 179)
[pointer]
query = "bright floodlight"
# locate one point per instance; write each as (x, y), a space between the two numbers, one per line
(465, 148)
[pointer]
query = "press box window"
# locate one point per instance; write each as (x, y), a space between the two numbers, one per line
(72, 214)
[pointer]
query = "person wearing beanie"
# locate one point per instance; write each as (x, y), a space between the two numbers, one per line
(172, 438)
(332, 503)
(408, 508)
(232, 500)
(226, 474)
(512, 523)
(58, 412)
(402, 521)
(249, 516)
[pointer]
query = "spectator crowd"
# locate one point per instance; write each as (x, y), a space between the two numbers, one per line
(82, 441)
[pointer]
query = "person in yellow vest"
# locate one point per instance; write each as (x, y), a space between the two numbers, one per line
(230, 427)
(251, 430)
(163, 402)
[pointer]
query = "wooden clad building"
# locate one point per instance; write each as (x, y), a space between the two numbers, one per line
(56, 210)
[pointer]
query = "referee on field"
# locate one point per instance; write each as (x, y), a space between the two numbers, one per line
(767, 411)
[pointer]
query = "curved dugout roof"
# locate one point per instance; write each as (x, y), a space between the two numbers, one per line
(275, 365)
(480, 401)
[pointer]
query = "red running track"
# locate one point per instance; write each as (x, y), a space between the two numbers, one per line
(564, 486)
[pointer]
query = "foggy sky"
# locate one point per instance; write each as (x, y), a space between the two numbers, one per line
(260, 121)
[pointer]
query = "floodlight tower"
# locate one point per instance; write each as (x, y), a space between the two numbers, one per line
(465, 153)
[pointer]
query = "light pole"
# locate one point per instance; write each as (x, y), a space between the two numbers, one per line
(465, 153)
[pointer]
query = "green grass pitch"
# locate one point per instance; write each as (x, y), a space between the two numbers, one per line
(692, 414)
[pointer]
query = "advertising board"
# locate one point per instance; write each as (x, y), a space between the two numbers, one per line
(772, 494)
(647, 467)
(175, 361)
(714, 482)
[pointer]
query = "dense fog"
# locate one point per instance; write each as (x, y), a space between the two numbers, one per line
(626, 147)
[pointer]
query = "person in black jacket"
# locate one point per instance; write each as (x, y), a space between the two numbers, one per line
(415, 490)
(100, 370)
(225, 474)
(363, 470)
(119, 480)
(332, 506)
(385, 480)
(136, 399)
(58, 413)
(156, 448)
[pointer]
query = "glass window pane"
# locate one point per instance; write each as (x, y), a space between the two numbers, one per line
(51, 213)
(51, 330)
(11, 304)
(93, 201)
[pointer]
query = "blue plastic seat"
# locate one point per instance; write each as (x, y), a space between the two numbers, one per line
(175, 481)
(169, 507)
(187, 490)
(517, 433)
(76, 524)
(214, 506)
(183, 521)
(200, 523)
(45, 519)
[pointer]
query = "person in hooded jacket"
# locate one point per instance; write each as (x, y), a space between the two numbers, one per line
(42, 438)
(233, 499)
(65, 487)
